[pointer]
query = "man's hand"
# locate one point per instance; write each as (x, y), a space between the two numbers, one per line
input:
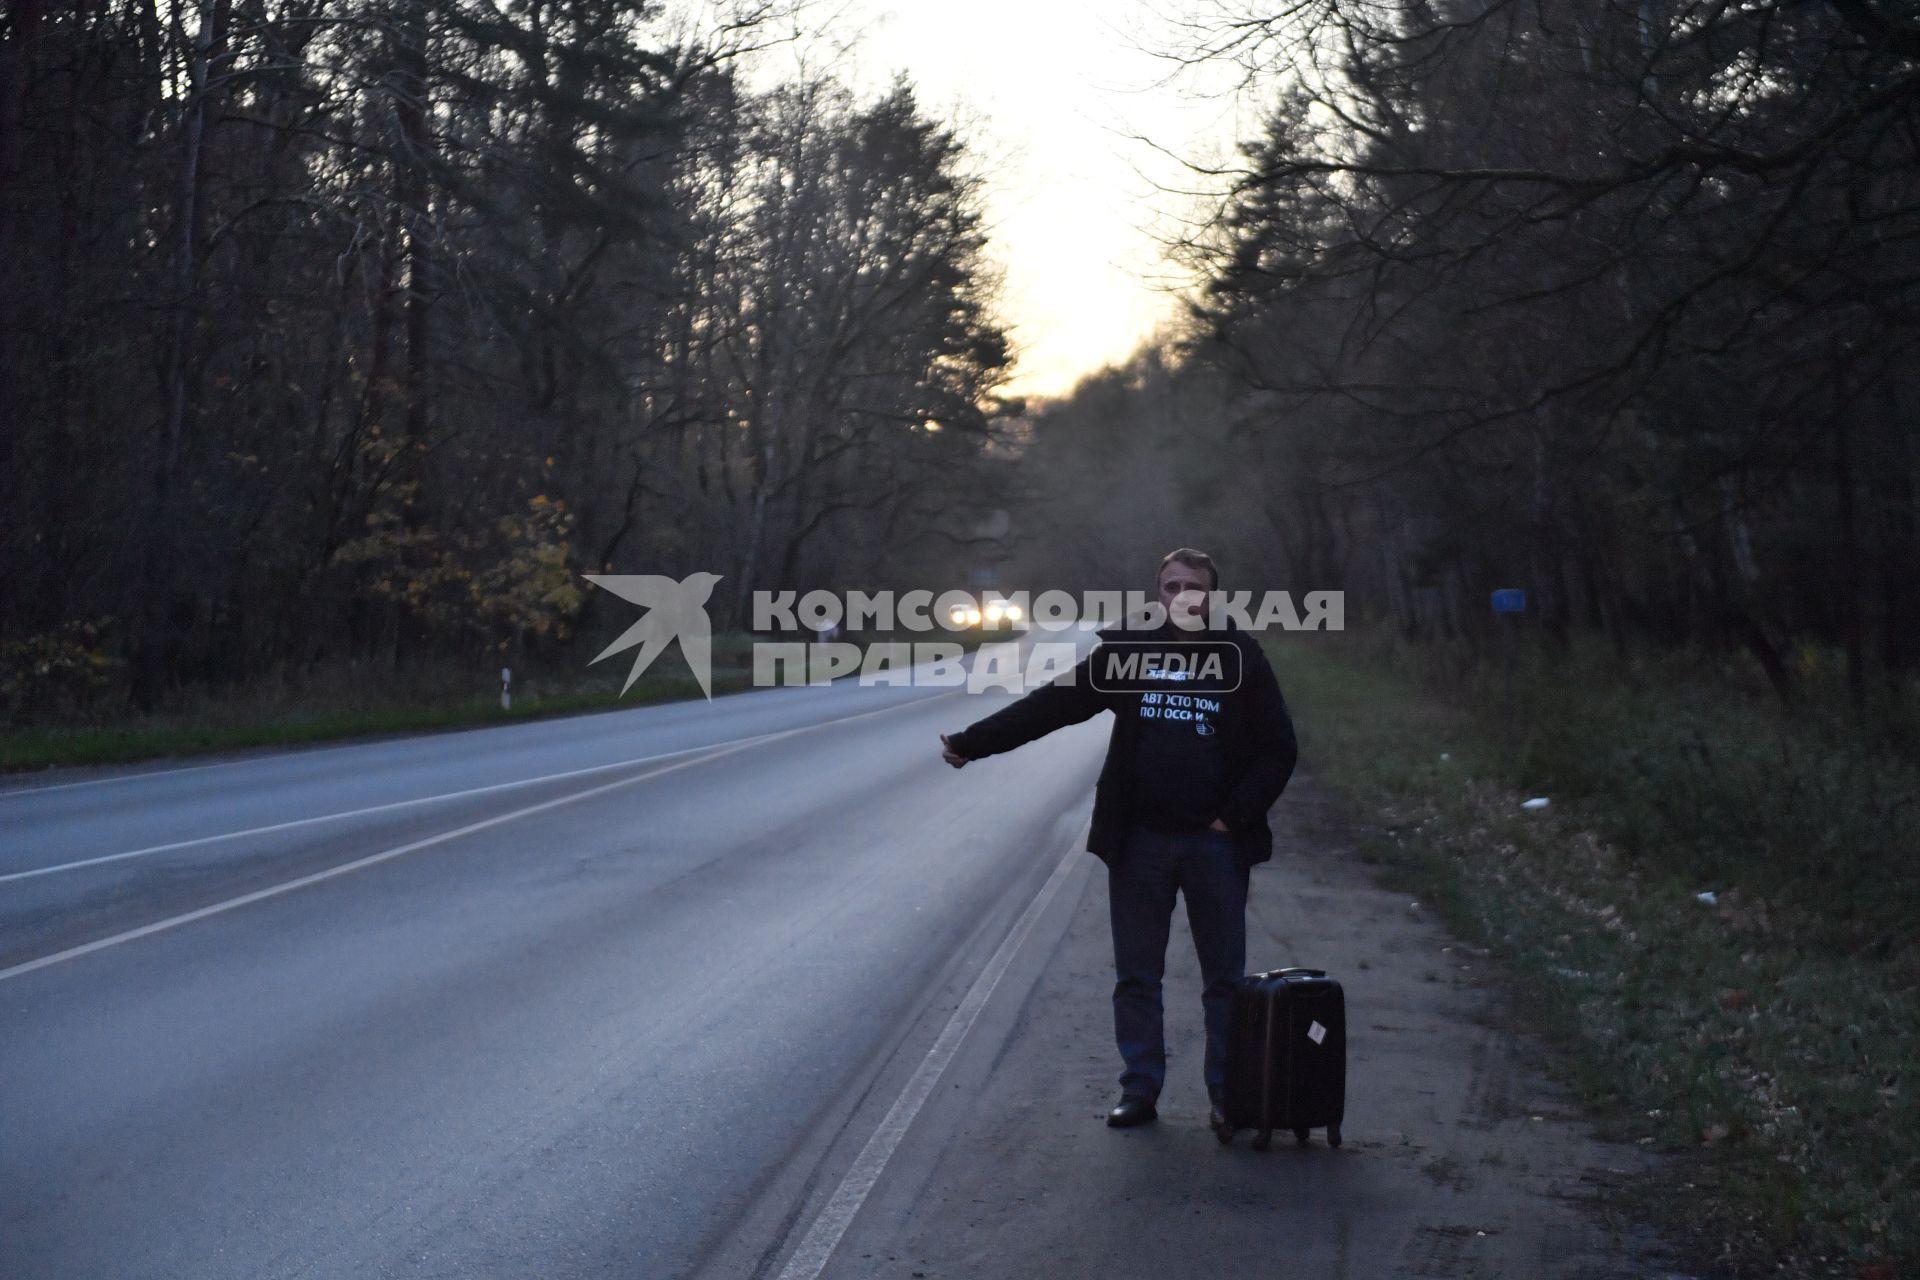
(951, 756)
(1221, 827)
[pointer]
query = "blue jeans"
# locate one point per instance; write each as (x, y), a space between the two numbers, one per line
(1141, 884)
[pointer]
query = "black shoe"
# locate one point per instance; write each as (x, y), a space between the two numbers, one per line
(1134, 1108)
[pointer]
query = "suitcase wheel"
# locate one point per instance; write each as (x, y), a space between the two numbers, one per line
(1301, 1135)
(1262, 1140)
(1333, 1135)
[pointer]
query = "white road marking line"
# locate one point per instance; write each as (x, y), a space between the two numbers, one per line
(824, 1236)
(387, 855)
(295, 823)
(13, 792)
(28, 788)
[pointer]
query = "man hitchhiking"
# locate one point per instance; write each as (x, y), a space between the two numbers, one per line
(1201, 748)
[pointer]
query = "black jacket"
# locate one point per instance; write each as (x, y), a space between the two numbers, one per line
(1256, 730)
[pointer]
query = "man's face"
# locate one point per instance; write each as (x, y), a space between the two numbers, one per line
(1183, 594)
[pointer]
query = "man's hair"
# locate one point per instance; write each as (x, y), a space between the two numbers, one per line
(1193, 560)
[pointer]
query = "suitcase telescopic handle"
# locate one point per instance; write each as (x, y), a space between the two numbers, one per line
(1311, 973)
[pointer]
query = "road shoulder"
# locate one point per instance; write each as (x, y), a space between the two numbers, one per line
(1462, 1159)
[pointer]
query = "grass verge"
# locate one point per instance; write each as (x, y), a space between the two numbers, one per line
(1768, 1038)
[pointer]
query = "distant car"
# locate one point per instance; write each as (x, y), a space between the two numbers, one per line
(993, 612)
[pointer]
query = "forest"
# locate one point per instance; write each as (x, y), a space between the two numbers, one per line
(358, 333)
(1611, 302)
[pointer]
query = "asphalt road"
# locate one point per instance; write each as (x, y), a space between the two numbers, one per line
(582, 997)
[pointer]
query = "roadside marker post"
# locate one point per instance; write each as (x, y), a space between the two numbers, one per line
(1508, 602)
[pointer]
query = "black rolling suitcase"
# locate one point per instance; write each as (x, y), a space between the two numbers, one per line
(1287, 1057)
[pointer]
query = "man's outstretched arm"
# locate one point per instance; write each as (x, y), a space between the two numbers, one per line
(1067, 699)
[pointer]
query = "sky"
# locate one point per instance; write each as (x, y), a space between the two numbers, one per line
(1048, 94)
